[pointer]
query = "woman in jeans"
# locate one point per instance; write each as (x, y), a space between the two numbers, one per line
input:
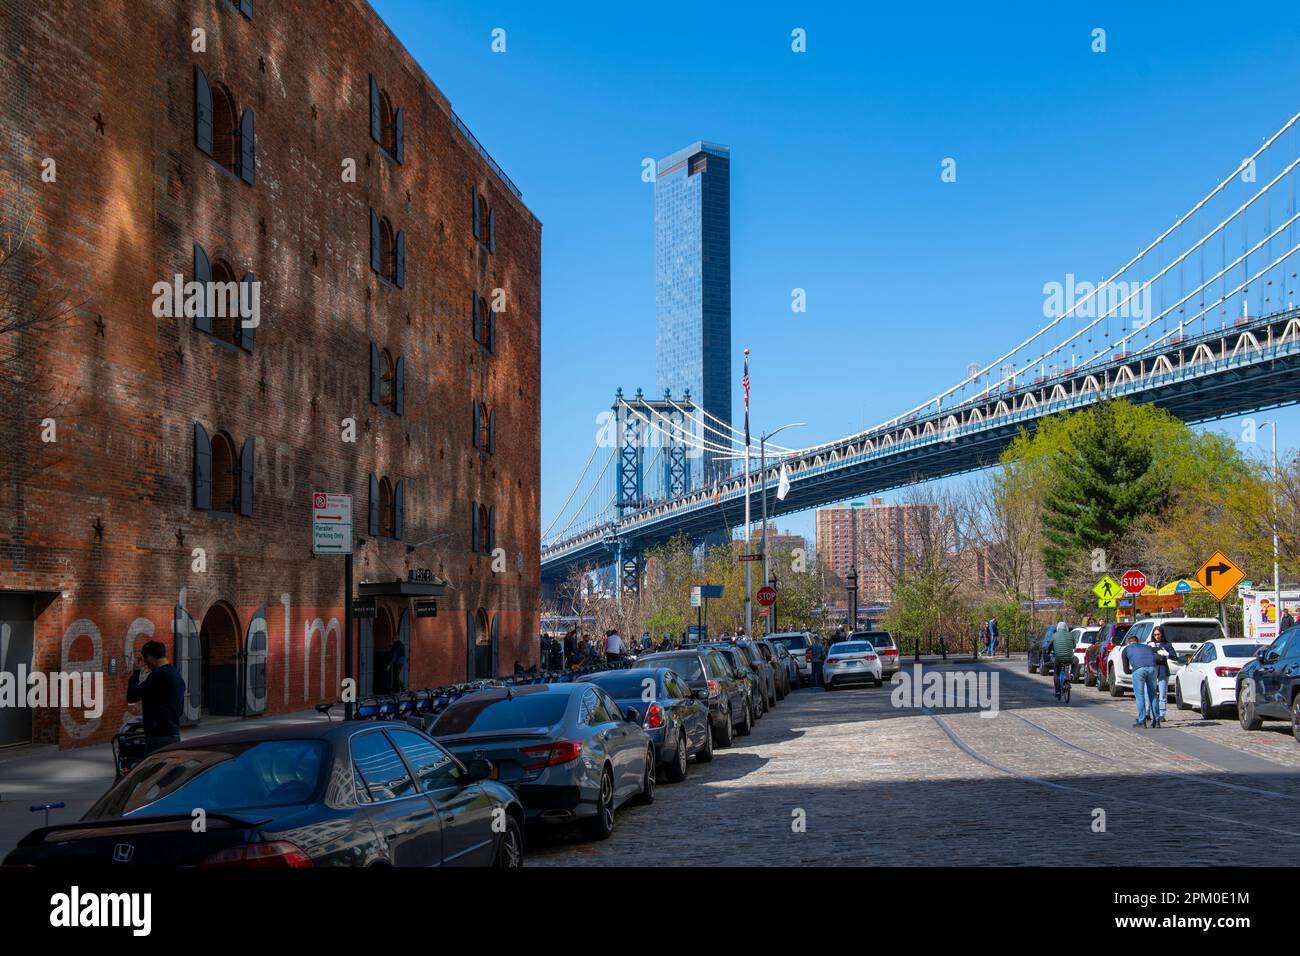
(1164, 654)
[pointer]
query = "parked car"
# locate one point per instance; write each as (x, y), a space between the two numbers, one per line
(799, 644)
(885, 646)
(568, 750)
(851, 662)
(1094, 661)
(738, 661)
(762, 666)
(1186, 634)
(786, 664)
(1209, 680)
(674, 718)
(703, 668)
(333, 794)
(780, 674)
(1040, 652)
(1268, 687)
(1084, 637)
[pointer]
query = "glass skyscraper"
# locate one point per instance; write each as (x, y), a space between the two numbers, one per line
(693, 284)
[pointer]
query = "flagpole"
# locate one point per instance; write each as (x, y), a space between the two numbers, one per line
(748, 563)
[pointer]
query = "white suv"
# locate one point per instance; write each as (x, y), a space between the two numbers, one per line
(1186, 634)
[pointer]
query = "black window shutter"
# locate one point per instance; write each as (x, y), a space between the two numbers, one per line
(247, 148)
(376, 392)
(203, 276)
(473, 510)
(375, 131)
(478, 335)
(246, 333)
(246, 479)
(202, 111)
(202, 469)
(399, 136)
(374, 504)
(477, 422)
(492, 230)
(477, 226)
(400, 278)
(399, 509)
(374, 241)
(492, 332)
(246, 8)
(492, 432)
(492, 528)
(399, 386)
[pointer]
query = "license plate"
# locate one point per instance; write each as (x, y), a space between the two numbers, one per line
(495, 774)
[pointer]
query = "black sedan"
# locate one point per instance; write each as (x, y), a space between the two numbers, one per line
(738, 661)
(1041, 657)
(674, 717)
(703, 668)
(337, 794)
(568, 750)
(1268, 688)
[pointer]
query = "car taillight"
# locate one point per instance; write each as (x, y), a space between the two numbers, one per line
(549, 755)
(807, 656)
(713, 688)
(890, 653)
(654, 717)
(274, 853)
(1226, 671)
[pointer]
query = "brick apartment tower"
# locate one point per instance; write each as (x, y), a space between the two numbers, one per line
(886, 535)
(173, 434)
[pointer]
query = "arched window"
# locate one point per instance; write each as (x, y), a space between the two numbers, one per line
(387, 250)
(225, 128)
(386, 379)
(387, 522)
(224, 298)
(387, 125)
(484, 529)
(484, 432)
(225, 474)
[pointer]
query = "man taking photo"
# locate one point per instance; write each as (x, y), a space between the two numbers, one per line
(162, 691)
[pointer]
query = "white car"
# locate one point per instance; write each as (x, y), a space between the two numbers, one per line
(851, 662)
(1082, 637)
(1186, 634)
(1209, 681)
(798, 644)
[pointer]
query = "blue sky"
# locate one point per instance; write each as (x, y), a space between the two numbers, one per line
(1067, 161)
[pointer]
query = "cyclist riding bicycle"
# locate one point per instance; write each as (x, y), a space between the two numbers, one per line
(1062, 655)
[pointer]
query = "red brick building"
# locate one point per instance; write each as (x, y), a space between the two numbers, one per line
(158, 469)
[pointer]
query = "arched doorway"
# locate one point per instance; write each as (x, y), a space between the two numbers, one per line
(219, 662)
(385, 633)
(482, 646)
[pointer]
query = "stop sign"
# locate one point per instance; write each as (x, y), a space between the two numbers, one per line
(767, 595)
(1133, 581)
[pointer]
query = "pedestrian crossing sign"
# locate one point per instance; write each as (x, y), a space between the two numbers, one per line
(1107, 591)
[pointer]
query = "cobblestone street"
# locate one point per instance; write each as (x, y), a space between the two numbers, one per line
(878, 785)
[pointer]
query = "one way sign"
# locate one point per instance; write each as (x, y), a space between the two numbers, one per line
(1219, 575)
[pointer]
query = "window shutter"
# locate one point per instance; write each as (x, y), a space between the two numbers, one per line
(202, 111)
(399, 385)
(399, 136)
(492, 230)
(202, 469)
(374, 241)
(376, 392)
(203, 276)
(473, 510)
(246, 478)
(492, 432)
(247, 148)
(477, 422)
(492, 331)
(246, 333)
(246, 8)
(400, 278)
(477, 226)
(492, 527)
(374, 505)
(375, 131)
(399, 509)
(478, 335)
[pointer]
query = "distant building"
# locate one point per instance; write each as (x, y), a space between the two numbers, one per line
(886, 534)
(693, 285)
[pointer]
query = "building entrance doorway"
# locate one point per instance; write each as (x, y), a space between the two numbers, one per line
(219, 657)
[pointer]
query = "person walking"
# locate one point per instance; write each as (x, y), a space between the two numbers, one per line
(984, 638)
(1286, 623)
(1164, 653)
(993, 636)
(1141, 660)
(397, 667)
(613, 646)
(818, 655)
(162, 692)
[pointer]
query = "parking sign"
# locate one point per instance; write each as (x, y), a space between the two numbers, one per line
(331, 523)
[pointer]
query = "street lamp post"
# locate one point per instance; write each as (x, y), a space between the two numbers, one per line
(748, 536)
(1277, 586)
(762, 470)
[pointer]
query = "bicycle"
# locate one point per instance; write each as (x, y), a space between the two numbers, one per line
(1063, 688)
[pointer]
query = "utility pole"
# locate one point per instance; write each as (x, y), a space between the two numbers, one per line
(748, 530)
(762, 470)
(1277, 585)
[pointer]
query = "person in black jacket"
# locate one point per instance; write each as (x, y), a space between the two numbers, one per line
(1164, 653)
(162, 691)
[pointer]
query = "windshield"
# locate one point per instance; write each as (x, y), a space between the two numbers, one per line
(795, 642)
(851, 647)
(1191, 632)
(876, 638)
(480, 714)
(1240, 650)
(628, 683)
(227, 778)
(687, 666)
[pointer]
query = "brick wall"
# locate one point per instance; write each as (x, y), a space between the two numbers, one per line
(100, 522)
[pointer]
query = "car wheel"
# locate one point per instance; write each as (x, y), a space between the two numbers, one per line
(1101, 680)
(1295, 719)
(1115, 689)
(728, 733)
(510, 854)
(742, 730)
(706, 752)
(1178, 695)
(1246, 706)
(829, 685)
(676, 770)
(601, 825)
(1207, 709)
(876, 681)
(647, 794)
(1033, 668)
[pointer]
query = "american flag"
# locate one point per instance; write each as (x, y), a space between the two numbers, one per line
(744, 382)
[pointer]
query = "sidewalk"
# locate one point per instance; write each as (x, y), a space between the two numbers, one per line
(78, 777)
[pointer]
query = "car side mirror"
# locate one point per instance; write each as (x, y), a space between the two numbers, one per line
(632, 716)
(701, 693)
(1260, 654)
(479, 769)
